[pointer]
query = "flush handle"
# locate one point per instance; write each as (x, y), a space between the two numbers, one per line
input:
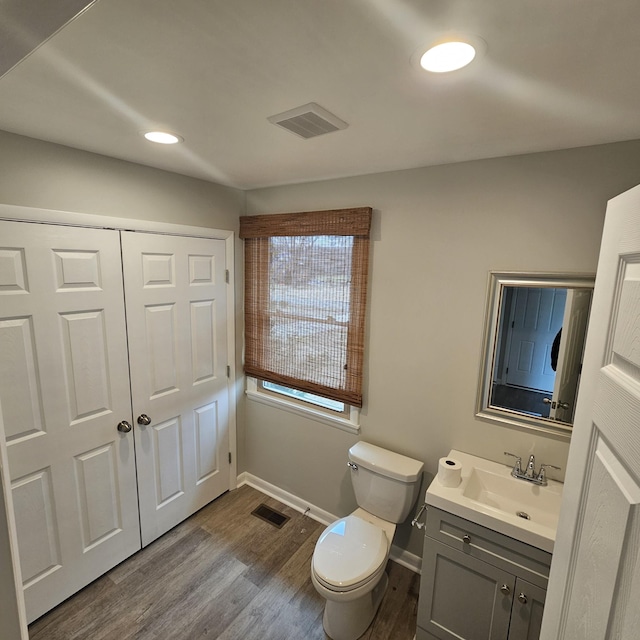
(352, 465)
(416, 521)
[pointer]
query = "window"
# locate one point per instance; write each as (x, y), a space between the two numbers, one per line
(305, 295)
(303, 396)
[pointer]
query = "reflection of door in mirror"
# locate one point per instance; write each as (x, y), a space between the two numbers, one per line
(574, 323)
(524, 378)
(534, 338)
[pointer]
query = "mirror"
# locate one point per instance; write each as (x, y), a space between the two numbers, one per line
(535, 331)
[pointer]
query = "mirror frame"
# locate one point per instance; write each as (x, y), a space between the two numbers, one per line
(498, 280)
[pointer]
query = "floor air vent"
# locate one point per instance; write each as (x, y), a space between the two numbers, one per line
(270, 515)
(308, 121)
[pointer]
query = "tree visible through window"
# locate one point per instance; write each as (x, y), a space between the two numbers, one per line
(305, 293)
(309, 305)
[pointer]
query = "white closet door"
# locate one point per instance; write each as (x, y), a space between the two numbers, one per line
(13, 618)
(64, 386)
(176, 317)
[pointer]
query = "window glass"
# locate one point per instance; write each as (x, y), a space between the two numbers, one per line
(326, 403)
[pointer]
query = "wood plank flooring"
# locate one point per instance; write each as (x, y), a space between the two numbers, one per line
(222, 573)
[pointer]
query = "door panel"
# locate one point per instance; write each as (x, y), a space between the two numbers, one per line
(207, 441)
(537, 316)
(167, 462)
(160, 324)
(23, 404)
(36, 525)
(176, 315)
(99, 504)
(594, 585)
(64, 387)
(85, 359)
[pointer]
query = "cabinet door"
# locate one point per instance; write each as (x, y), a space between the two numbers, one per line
(64, 386)
(526, 615)
(461, 597)
(176, 319)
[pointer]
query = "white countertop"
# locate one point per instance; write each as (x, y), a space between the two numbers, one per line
(476, 501)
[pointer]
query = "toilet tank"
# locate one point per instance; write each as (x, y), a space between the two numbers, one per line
(386, 484)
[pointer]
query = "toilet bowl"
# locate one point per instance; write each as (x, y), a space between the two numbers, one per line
(348, 570)
(350, 557)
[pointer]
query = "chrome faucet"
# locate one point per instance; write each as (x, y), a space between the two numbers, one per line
(529, 474)
(531, 467)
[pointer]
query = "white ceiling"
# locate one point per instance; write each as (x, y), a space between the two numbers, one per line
(555, 74)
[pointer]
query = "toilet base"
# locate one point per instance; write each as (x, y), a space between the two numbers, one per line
(349, 620)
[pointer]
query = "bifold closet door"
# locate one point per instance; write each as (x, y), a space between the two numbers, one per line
(175, 293)
(64, 388)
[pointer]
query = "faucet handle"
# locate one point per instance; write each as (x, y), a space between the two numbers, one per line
(542, 476)
(517, 467)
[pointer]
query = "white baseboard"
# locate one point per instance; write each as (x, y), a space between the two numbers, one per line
(406, 559)
(324, 517)
(402, 557)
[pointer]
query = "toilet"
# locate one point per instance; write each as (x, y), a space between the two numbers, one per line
(349, 560)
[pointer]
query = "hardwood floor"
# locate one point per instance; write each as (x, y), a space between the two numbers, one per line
(222, 573)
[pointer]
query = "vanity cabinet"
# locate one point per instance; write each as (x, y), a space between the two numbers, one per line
(478, 584)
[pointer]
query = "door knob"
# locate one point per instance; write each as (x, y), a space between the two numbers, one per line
(523, 598)
(124, 426)
(563, 405)
(505, 589)
(546, 400)
(144, 419)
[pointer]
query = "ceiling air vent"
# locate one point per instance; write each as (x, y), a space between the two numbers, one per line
(308, 121)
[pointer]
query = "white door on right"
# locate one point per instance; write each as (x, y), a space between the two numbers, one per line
(594, 587)
(175, 290)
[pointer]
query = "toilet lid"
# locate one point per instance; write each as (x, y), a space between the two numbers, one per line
(349, 551)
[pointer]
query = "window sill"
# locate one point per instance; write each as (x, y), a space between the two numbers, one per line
(351, 426)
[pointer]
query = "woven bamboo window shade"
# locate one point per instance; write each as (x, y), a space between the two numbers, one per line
(305, 296)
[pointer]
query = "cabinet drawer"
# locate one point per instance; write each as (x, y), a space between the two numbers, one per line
(495, 548)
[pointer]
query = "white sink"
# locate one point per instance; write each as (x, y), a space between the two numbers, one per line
(513, 496)
(492, 497)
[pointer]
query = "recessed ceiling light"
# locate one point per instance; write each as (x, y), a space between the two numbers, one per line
(162, 137)
(447, 56)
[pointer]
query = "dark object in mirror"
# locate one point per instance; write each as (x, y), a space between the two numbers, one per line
(534, 341)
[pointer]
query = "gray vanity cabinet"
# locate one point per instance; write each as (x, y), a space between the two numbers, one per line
(478, 584)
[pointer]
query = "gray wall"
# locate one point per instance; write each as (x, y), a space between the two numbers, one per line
(437, 232)
(49, 176)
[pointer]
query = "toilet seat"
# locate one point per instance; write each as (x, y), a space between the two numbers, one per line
(349, 553)
(354, 588)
